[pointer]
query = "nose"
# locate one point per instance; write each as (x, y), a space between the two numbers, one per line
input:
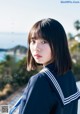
(37, 47)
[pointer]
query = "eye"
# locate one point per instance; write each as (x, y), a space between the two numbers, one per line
(43, 41)
(32, 41)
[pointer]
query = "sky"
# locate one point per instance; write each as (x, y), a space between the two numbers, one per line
(20, 15)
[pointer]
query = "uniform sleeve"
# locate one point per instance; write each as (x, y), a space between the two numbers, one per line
(39, 97)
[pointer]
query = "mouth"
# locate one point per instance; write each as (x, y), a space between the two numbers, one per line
(37, 55)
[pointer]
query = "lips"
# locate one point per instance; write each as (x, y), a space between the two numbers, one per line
(37, 55)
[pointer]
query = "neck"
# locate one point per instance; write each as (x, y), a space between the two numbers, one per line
(45, 64)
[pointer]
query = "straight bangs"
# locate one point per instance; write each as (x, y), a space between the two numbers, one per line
(36, 32)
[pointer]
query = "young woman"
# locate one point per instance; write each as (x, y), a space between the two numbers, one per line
(53, 90)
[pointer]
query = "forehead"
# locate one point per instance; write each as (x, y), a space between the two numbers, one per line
(36, 35)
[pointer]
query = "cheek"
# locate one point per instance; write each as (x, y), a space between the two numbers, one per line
(48, 52)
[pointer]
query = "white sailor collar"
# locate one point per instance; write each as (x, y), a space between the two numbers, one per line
(54, 81)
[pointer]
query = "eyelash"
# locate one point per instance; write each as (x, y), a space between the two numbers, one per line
(43, 42)
(32, 41)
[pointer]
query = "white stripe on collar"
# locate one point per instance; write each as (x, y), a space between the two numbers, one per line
(58, 88)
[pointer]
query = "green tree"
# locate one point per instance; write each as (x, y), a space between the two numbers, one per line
(77, 24)
(70, 36)
(7, 69)
(22, 76)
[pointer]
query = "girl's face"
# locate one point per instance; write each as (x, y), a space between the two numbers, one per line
(40, 51)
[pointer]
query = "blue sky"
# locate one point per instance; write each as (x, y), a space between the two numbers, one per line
(20, 15)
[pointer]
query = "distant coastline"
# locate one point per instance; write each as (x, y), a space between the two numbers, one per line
(11, 39)
(3, 50)
(19, 52)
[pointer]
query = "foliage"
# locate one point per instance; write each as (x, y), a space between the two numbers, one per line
(13, 73)
(76, 70)
(77, 24)
(6, 70)
(21, 75)
(70, 36)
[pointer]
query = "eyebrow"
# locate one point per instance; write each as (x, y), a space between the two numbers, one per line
(35, 38)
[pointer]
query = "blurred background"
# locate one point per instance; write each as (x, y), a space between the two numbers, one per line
(16, 19)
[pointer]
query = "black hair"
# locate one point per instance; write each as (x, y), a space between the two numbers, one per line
(52, 31)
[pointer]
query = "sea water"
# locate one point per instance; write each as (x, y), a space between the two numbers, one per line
(2, 56)
(9, 40)
(12, 39)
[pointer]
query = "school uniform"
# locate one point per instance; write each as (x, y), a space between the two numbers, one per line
(49, 93)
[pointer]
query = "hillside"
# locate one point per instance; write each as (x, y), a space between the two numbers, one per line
(2, 50)
(21, 49)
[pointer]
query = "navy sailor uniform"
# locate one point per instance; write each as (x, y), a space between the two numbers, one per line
(49, 93)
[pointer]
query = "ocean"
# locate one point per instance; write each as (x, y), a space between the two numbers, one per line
(2, 56)
(11, 39)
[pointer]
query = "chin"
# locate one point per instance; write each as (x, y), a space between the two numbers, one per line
(39, 62)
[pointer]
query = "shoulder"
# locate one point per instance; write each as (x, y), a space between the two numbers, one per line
(39, 78)
(36, 81)
(38, 84)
